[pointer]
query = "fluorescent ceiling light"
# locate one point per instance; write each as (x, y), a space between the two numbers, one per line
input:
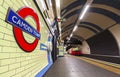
(60, 34)
(68, 38)
(75, 28)
(84, 11)
(71, 35)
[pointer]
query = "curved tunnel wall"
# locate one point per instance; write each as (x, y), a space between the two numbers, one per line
(85, 48)
(115, 30)
(103, 44)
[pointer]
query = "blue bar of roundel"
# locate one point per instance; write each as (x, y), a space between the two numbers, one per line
(11, 13)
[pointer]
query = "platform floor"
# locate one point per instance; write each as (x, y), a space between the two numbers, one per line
(70, 66)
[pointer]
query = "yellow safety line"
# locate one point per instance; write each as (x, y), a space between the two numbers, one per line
(104, 62)
(104, 66)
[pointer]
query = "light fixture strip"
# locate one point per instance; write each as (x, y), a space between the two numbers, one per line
(75, 28)
(71, 35)
(86, 7)
(84, 11)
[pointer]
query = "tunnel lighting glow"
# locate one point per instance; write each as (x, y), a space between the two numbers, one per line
(60, 34)
(75, 28)
(67, 38)
(84, 11)
(71, 35)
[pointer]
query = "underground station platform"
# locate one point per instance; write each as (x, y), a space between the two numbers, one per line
(77, 66)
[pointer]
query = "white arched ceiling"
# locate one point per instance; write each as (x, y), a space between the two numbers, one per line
(83, 32)
(71, 11)
(116, 11)
(71, 19)
(66, 33)
(65, 3)
(99, 19)
(90, 27)
(81, 29)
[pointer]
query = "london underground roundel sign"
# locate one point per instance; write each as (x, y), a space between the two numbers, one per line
(20, 25)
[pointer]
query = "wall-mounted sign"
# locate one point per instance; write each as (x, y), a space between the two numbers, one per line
(61, 19)
(43, 47)
(19, 25)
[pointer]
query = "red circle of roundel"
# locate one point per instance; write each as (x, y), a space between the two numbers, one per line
(27, 47)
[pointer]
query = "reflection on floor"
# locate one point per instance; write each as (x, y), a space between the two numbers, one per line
(70, 66)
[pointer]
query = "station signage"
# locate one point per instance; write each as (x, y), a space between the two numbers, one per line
(20, 25)
(43, 47)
